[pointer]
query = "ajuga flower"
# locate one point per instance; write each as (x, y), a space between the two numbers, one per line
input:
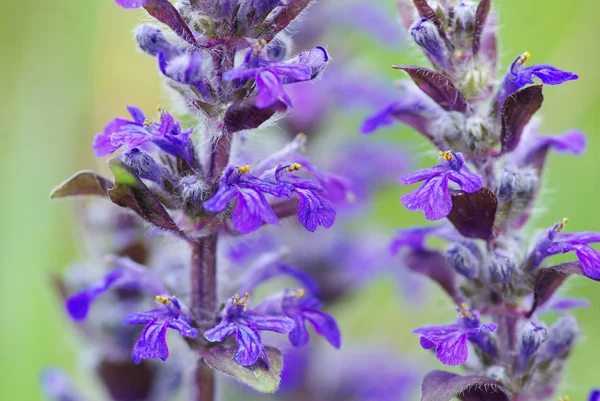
(270, 76)
(301, 307)
(433, 198)
(167, 135)
(152, 343)
(238, 319)
(450, 341)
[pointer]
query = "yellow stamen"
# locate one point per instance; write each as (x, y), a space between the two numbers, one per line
(160, 110)
(300, 293)
(243, 169)
(562, 224)
(294, 167)
(243, 302)
(162, 300)
(464, 311)
(523, 58)
(263, 42)
(148, 122)
(563, 398)
(446, 155)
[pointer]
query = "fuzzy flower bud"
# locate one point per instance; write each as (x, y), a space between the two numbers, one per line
(463, 261)
(426, 35)
(501, 268)
(532, 338)
(144, 166)
(561, 337)
(152, 41)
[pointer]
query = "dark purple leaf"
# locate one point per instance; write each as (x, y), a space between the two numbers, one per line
(166, 13)
(125, 381)
(284, 16)
(244, 114)
(438, 87)
(82, 183)
(517, 110)
(425, 11)
(474, 214)
(444, 386)
(258, 376)
(549, 279)
(483, 9)
(434, 265)
(130, 192)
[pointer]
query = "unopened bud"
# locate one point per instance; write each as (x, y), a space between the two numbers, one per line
(501, 268)
(144, 166)
(152, 41)
(561, 337)
(192, 193)
(426, 35)
(532, 338)
(463, 261)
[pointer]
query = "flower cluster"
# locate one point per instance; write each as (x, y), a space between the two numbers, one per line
(492, 159)
(199, 187)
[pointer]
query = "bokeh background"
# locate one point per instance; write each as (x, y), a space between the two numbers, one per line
(69, 66)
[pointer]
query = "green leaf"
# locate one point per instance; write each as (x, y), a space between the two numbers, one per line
(82, 183)
(257, 376)
(130, 192)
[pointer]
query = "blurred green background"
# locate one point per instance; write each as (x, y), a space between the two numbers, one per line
(69, 66)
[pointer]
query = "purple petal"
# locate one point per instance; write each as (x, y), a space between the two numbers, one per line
(152, 343)
(413, 238)
(277, 324)
(250, 346)
(131, 3)
(588, 256)
(551, 75)
(314, 210)
(270, 90)
(299, 336)
(251, 211)
(240, 73)
(148, 316)
(220, 199)
(434, 265)
(183, 328)
(137, 114)
(293, 72)
(452, 351)
(595, 395)
(78, 305)
(432, 198)
(325, 325)
(422, 175)
(220, 332)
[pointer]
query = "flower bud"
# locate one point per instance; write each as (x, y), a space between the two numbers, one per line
(152, 41)
(561, 337)
(144, 166)
(426, 35)
(532, 337)
(501, 268)
(192, 193)
(464, 16)
(463, 261)
(517, 185)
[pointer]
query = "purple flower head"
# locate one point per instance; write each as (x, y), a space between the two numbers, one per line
(450, 341)
(426, 35)
(127, 275)
(152, 343)
(270, 76)
(314, 209)
(301, 307)
(433, 197)
(139, 133)
(556, 242)
(244, 323)
(533, 148)
(56, 385)
(252, 208)
(519, 76)
(595, 395)
(414, 108)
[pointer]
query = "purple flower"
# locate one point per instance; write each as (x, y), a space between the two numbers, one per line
(244, 323)
(314, 210)
(450, 341)
(252, 208)
(519, 76)
(533, 147)
(416, 237)
(166, 135)
(433, 197)
(128, 275)
(556, 242)
(595, 395)
(270, 76)
(152, 343)
(301, 307)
